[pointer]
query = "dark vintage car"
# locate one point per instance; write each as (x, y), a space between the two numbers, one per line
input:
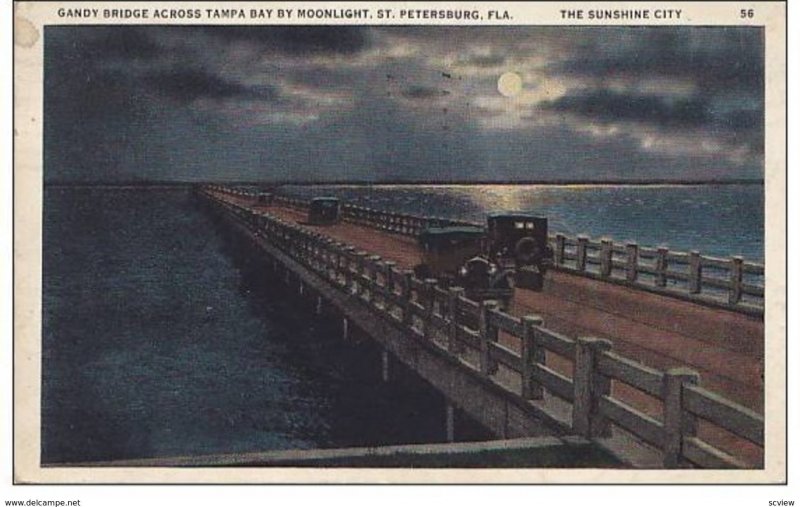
(455, 257)
(323, 211)
(519, 241)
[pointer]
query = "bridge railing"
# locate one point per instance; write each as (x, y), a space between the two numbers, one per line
(666, 410)
(732, 283)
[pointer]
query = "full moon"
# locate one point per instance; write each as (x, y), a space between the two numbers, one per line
(509, 84)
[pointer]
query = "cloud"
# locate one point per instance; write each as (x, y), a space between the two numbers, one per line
(188, 85)
(731, 57)
(424, 93)
(486, 61)
(298, 40)
(103, 43)
(129, 42)
(608, 106)
(743, 120)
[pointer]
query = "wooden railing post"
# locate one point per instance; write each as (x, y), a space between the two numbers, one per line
(406, 297)
(453, 344)
(606, 252)
(532, 354)
(372, 266)
(695, 272)
(325, 256)
(589, 386)
(334, 262)
(376, 292)
(388, 284)
(677, 424)
(361, 266)
(349, 259)
(488, 334)
(427, 303)
(319, 250)
(737, 272)
(661, 267)
(561, 241)
(304, 241)
(580, 253)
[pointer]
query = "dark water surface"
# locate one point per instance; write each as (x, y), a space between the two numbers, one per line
(160, 340)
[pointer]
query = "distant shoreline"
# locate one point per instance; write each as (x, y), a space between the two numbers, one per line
(599, 183)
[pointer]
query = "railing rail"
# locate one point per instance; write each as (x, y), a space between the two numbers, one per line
(470, 331)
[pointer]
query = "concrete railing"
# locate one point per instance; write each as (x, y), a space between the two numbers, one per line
(731, 283)
(482, 337)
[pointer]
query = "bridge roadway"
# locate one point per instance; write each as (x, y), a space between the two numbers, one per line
(726, 348)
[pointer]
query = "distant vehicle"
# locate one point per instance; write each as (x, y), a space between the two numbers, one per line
(323, 211)
(265, 198)
(454, 256)
(519, 241)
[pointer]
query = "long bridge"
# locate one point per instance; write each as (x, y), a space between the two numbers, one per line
(654, 356)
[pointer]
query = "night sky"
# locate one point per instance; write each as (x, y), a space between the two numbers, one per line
(403, 103)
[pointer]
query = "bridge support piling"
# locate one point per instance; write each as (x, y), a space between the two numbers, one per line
(345, 329)
(450, 423)
(385, 365)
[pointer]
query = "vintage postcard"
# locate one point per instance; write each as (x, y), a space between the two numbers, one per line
(400, 242)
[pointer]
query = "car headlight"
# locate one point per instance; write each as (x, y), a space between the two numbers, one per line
(463, 271)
